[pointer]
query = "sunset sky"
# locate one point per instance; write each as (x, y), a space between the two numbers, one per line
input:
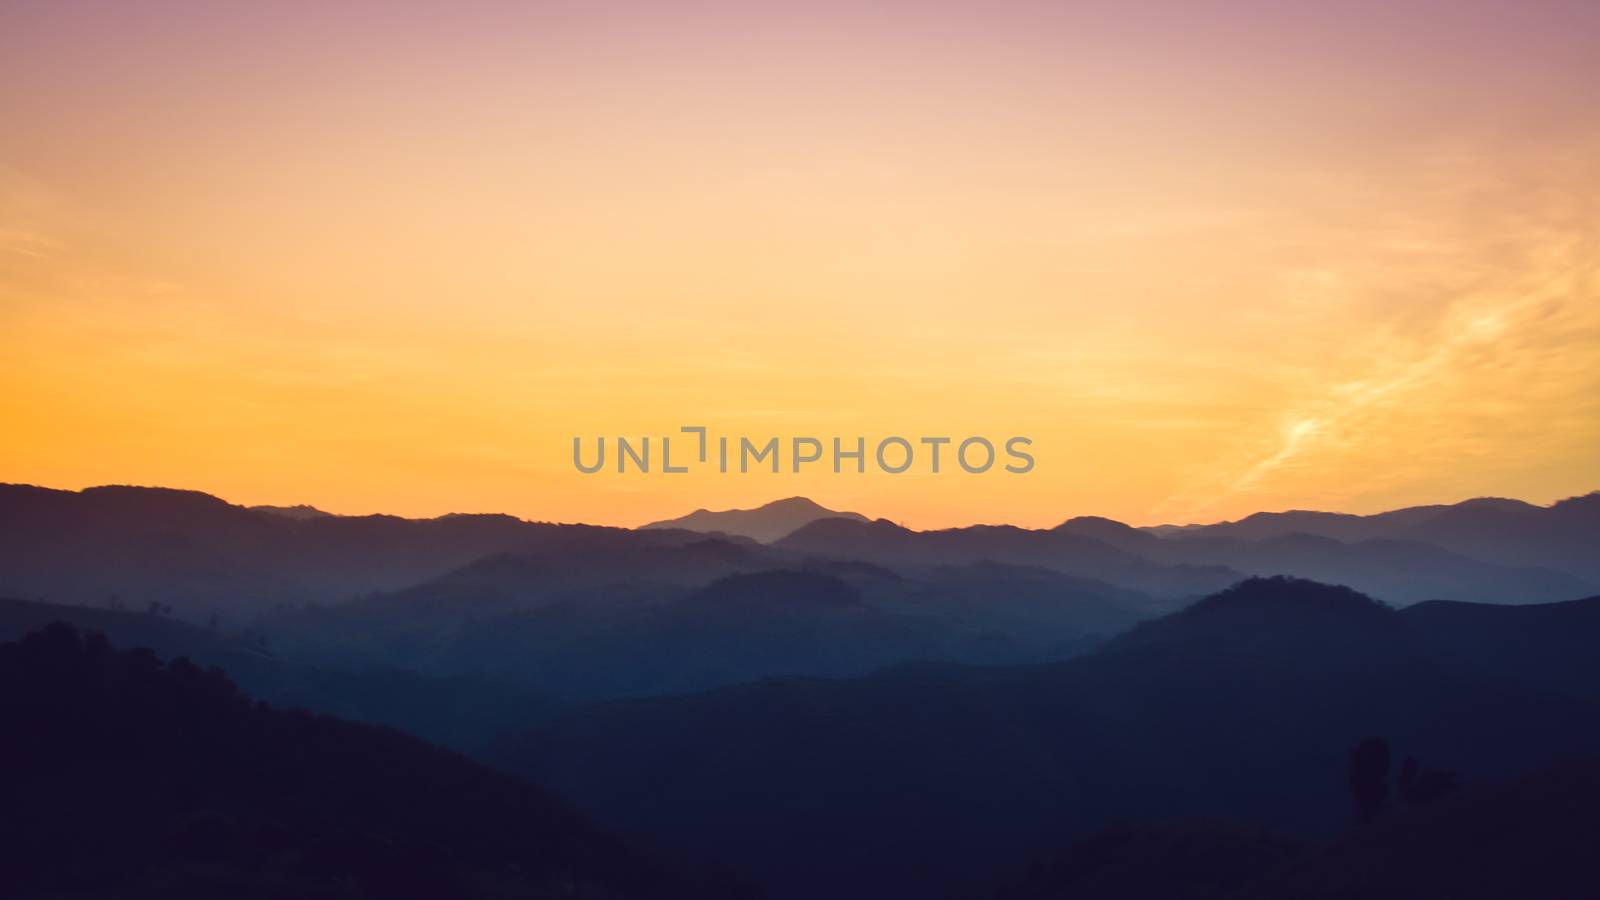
(1212, 257)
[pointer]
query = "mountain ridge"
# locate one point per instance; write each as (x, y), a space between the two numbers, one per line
(765, 523)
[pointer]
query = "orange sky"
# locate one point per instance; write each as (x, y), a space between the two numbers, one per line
(1211, 257)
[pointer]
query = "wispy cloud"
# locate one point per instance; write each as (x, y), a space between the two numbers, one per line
(1471, 321)
(27, 243)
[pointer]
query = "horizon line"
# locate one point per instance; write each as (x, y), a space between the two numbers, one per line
(869, 517)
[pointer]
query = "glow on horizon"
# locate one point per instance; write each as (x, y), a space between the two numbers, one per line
(1213, 257)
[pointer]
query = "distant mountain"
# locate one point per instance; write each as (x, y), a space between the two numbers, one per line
(1031, 614)
(300, 511)
(1400, 572)
(126, 547)
(559, 569)
(127, 777)
(764, 523)
(643, 623)
(1392, 561)
(132, 546)
(1080, 555)
(1561, 536)
(940, 778)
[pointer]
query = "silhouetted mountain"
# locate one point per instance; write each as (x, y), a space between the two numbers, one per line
(455, 711)
(1532, 836)
(614, 558)
(124, 777)
(1278, 618)
(602, 640)
(1549, 646)
(132, 546)
(299, 511)
(1398, 571)
(1110, 531)
(931, 779)
(1034, 607)
(764, 523)
(886, 543)
(128, 547)
(1509, 532)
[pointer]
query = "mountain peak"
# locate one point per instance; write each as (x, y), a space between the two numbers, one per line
(765, 523)
(1279, 615)
(796, 500)
(299, 511)
(1117, 534)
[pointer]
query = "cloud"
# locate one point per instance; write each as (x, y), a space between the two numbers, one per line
(1473, 316)
(28, 244)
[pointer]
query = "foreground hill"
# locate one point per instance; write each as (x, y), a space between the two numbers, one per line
(930, 778)
(125, 777)
(1549, 646)
(765, 523)
(1532, 836)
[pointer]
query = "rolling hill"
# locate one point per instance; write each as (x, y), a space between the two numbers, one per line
(128, 777)
(928, 778)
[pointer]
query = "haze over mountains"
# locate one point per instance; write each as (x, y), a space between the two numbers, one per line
(849, 708)
(920, 779)
(125, 776)
(204, 556)
(1510, 532)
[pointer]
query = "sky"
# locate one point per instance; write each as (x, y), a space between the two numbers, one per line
(1210, 257)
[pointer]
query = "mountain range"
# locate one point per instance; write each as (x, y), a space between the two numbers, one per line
(829, 704)
(203, 556)
(937, 778)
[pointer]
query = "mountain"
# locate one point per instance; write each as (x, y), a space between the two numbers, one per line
(1559, 537)
(935, 779)
(459, 712)
(764, 523)
(1548, 646)
(1027, 604)
(1531, 836)
(572, 633)
(130, 547)
(127, 777)
(1341, 549)
(885, 543)
(300, 511)
(1400, 572)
